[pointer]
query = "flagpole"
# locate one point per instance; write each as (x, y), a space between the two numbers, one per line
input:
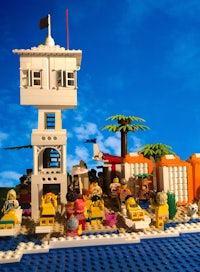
(67, 29)
(49, 25)
(49, 39)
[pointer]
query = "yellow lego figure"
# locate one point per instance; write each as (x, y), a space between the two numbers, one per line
(9, 220)
(12, 212)
(95, 189)
(161, 210)
(95, 210)
(134, 211)
(11, 202)
(48, 209)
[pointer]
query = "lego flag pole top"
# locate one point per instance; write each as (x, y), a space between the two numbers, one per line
(44, 23)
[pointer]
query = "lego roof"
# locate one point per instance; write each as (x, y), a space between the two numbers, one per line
(53, 50)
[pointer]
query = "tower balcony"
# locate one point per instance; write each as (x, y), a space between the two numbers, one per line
(59, 98)
(48, 137)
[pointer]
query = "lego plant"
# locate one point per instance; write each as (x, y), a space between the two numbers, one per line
(156, 151)
(171, 201)
(125, 125)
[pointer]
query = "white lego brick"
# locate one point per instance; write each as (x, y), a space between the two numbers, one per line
(93, 240)
(10, 232)
(43, 229)
(10, 256)
(142, 224)
(32, 248)
(158, 234)
(188, 228)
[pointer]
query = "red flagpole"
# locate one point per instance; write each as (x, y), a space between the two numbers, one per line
(67, 29)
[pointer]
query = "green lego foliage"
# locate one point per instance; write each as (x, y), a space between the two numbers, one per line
(171, 201)
(156, 150)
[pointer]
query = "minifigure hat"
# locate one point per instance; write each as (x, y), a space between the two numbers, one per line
(123, 181)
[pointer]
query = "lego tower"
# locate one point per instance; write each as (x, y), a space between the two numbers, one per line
(48, 81)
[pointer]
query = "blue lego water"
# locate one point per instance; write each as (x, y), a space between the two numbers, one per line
(181, 254)
(11, 243)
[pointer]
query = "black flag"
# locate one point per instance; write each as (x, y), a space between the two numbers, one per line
(91, 141)
(44, 22)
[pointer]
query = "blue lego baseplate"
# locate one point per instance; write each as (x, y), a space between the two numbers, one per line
(11, 243)
(164, 254)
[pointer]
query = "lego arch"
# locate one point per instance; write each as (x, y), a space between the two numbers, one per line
(49, 157)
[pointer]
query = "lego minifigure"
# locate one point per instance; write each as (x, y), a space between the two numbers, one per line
(79, 211)
(11, 202)
(95, 189)
(101, 181)
(12, 211)
(48, 209)
(92, 175)
(161, 210)
(95, 209)
(123, 192)
(71, 197)
(142, 187)
(77, 185)
(25, 199)
(114, 187)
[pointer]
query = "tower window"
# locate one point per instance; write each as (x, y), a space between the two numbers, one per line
(30, 78)
(36, 81)
(65, 79)
(51, 158)
(50, 121)
(24, 78)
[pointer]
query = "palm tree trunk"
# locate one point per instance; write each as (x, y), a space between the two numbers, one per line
(123, 143)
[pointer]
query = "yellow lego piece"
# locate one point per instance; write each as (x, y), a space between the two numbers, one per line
(162, 215)
(135, 212)
(46, 221)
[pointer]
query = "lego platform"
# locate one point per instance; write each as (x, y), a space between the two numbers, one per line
(118, 248)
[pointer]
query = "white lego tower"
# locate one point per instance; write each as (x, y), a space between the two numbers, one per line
(48, 81)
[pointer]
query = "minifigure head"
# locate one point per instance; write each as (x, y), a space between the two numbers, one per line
(71, 196)
(95, 183)
(24, 189)
(100, 174)
(144, 188)
(116, 180)
(123, 183)
(49, 197)
(130, 202)
(161, 198)
(11, 195)
(75, 179)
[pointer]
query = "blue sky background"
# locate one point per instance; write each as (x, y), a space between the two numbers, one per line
(140, 57)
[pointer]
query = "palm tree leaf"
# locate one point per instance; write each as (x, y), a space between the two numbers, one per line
(18, 147)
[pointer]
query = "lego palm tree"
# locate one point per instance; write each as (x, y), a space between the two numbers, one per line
(124, 126)
(156, 151)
